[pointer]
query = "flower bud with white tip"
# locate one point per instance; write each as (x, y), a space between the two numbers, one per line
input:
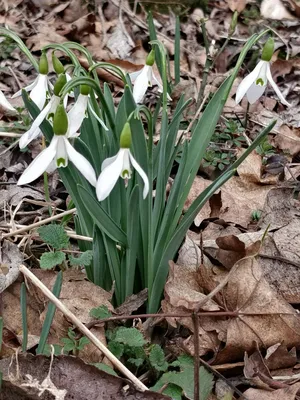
(119, 166)
(39, 87)
(59, 150)
(254, 85)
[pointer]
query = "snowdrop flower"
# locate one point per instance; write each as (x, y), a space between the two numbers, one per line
(59, 150)
(254, 85)
(119, 166)
(5, 103)
(49, 110)
(77, 113)
(144, 78)
(39, 87)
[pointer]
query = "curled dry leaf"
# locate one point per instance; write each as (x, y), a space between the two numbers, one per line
(237, 5)
(278, 357)
(254, 368)
(80, 381)
(249, 292)
(239, 196)
(288, 393)
(288, 139)
(11, 258)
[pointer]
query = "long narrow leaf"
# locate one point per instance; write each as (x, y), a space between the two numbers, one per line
(101, 218)
(49, 315)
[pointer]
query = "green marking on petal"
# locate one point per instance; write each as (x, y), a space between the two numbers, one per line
(259, 82)
(125, 174)
(61, 162)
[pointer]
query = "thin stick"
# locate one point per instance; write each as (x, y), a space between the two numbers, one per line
(10, 134)
(70, 316)
(37, 224)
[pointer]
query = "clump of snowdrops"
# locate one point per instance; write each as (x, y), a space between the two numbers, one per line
(109, 164)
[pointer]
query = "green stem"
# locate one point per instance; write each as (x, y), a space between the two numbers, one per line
(208, 64)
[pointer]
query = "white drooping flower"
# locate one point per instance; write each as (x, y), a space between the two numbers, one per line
(119, 166)
(40, 86)
(49, 110)
(78, 112)
(254, 85)
(5, 103)
(60, 151)
(145, 78)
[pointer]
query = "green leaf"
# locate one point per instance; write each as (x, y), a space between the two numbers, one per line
(100, 312)
(157, 358)
(50, 314)
(105, 368)
(48, 350)
(51, 259)
(185, 378)
(136, 361)
(116, 348)
(54, 235)
(82, 342)
(69, 344)
(173, 391)
(84, 258)
(130, 336)
(101, 218)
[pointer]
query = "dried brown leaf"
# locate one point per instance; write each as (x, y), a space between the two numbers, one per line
(288, 393)
(78, 380)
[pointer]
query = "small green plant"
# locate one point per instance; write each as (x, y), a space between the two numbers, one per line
(256, 214)
(265, 149)
(55, 236)
(221, 151)
(130, 346)
(72, 345)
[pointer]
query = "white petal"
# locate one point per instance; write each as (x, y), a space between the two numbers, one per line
(77, 114)
(108, 161)
(39, 92)
(155, 81)
(134, 75)
(97, 117)
(141, 85)
(275, 87)
(109, 176)
(34, 131)
(61, 157)
(81, 163)
(27, 88)
(39, 164)
(69, 78)
(126, 170)
(5, 103)
(142, 174)
(255, 92)
(247, 82)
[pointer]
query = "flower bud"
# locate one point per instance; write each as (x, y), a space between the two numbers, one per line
(43, 66)
(268, 50)
(150, 58)
(57, 65)
(60, 121)
(125, 138)
(233, 23)
(59, 84)
(85, 90)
